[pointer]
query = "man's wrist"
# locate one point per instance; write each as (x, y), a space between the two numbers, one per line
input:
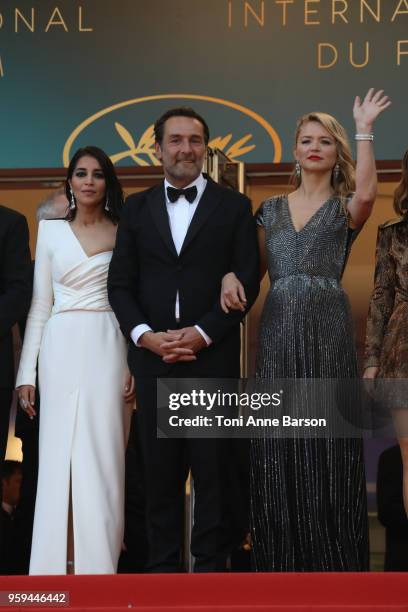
(144, 338)
(138, 331)
(202, 333)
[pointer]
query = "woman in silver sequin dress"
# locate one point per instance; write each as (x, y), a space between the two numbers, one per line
(308, 499)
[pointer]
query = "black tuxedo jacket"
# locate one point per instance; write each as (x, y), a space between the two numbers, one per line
(15, 285)
(146, 272)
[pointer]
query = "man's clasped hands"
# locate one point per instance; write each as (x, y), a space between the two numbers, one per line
(174, 344)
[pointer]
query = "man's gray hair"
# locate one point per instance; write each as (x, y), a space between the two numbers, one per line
(46, 209)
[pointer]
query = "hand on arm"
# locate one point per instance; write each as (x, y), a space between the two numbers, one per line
(232, 290)
(244, 263)
(365, 114)
(232, 294)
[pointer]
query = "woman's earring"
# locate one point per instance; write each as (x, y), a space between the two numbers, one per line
(107, 203)
(336, 172)
(298, 169)
(72, 199)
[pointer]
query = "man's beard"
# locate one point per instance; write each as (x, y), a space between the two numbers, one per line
(184, 172)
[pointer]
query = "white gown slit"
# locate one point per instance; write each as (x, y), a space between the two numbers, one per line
(83, 421)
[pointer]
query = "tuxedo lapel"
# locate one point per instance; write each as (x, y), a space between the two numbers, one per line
(157, 207)
(206, 206)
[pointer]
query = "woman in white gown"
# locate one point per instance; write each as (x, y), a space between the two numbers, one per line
(83, 379)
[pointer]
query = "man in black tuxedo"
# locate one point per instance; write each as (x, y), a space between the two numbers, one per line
(175, 243)
(15, 296)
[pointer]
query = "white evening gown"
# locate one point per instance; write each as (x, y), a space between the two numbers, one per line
(83, 421)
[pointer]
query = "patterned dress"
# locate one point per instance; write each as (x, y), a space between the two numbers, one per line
(387, 325)
(308, 497)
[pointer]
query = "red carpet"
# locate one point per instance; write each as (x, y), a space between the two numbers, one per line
(220, 592)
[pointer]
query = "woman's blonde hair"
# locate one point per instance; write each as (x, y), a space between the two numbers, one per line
(344, 184)
(401, 192)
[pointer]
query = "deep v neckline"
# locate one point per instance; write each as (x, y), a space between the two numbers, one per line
(80, 245)
(313, 216)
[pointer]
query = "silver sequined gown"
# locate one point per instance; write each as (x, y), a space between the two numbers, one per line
(308, 497)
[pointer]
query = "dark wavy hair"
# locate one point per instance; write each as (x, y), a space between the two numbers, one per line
(401, 192)
(114, 191)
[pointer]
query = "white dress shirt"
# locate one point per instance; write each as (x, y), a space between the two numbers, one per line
(180, 215)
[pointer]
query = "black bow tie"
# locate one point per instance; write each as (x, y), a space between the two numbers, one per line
(190, 193)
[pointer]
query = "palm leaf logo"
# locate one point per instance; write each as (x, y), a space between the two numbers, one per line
(238, 149)
(144, 147)
(220, 142)
(234, 150)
